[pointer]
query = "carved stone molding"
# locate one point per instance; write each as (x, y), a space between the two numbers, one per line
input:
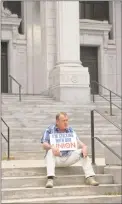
(93, 25)
(10, 22)
(95, 28)
(69, 77)
(7, 13)
(15, 32)
(74, 79)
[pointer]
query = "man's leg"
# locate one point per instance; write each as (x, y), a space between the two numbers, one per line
(52, 161)
(50, 164)
(88, 169)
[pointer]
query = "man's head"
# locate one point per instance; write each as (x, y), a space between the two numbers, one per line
(62, 121)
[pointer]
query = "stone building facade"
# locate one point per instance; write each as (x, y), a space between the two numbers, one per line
(59, 47)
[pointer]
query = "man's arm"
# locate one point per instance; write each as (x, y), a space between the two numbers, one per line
(46, 146)
(82, 146)
(45, 140)
(46, 143)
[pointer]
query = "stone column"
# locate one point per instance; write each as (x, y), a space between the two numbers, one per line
(69, 80)
(48, 41)
(32, 28)
(118, 38)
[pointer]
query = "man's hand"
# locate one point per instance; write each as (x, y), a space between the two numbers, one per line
(55, 151)
(85, 151)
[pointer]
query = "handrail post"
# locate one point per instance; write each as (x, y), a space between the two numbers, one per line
(92, 89)
(92, 137)
(7, 140)
(110, 104)
(8, 143)
(10, 84)
(19, 92)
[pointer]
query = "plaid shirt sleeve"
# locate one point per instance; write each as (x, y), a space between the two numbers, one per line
(46, 136)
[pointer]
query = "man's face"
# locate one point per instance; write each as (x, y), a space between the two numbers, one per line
(62, 122)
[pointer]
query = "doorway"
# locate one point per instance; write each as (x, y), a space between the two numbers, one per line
(4, 67)
(89, 58)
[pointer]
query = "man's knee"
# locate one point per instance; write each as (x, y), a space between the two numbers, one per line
(79, 152)
(50, 153)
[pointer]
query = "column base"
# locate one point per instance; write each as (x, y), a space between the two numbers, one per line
(70, 83)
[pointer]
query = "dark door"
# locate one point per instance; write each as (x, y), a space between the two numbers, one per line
(4, 68)
(88, 57)
(96, 10)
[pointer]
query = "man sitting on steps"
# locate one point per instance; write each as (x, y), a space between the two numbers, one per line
(61, 145)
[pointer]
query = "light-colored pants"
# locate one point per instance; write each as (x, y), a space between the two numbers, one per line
(52, 161)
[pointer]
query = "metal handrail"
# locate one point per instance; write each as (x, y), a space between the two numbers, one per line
(20, 86)
(107, 89)
(93, 137)
(110, 96)
(7, 139)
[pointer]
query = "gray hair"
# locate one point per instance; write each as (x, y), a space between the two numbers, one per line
(59, 114)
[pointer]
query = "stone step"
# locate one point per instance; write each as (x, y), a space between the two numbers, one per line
(81, 126)
(40, 181)
(25, 96)
(25, 100)
(40, 115)
(60, 191)
(26, 168)
(59, 106)
(25, 150)
(48, 119)
(70, 199)
(16, 100)
(38, 135)
(44, 124)
(33, 150)
(55, 107)
(50, 116)
(79, 133)
(43, 95)
(47, 122)
(73, 124)
(23, 153)
(36, 141)
(37, 155)
(105, 101)
(114, 160)
(19, 136)
(116, 171)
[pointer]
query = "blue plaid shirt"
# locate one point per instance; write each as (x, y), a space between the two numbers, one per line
(53, 129)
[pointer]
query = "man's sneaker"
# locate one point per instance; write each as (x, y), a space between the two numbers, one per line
(49, 183)
(91, 181)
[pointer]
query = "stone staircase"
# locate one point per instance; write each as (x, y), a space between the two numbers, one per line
(28, 119)
(26, 184)
(23, 179)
